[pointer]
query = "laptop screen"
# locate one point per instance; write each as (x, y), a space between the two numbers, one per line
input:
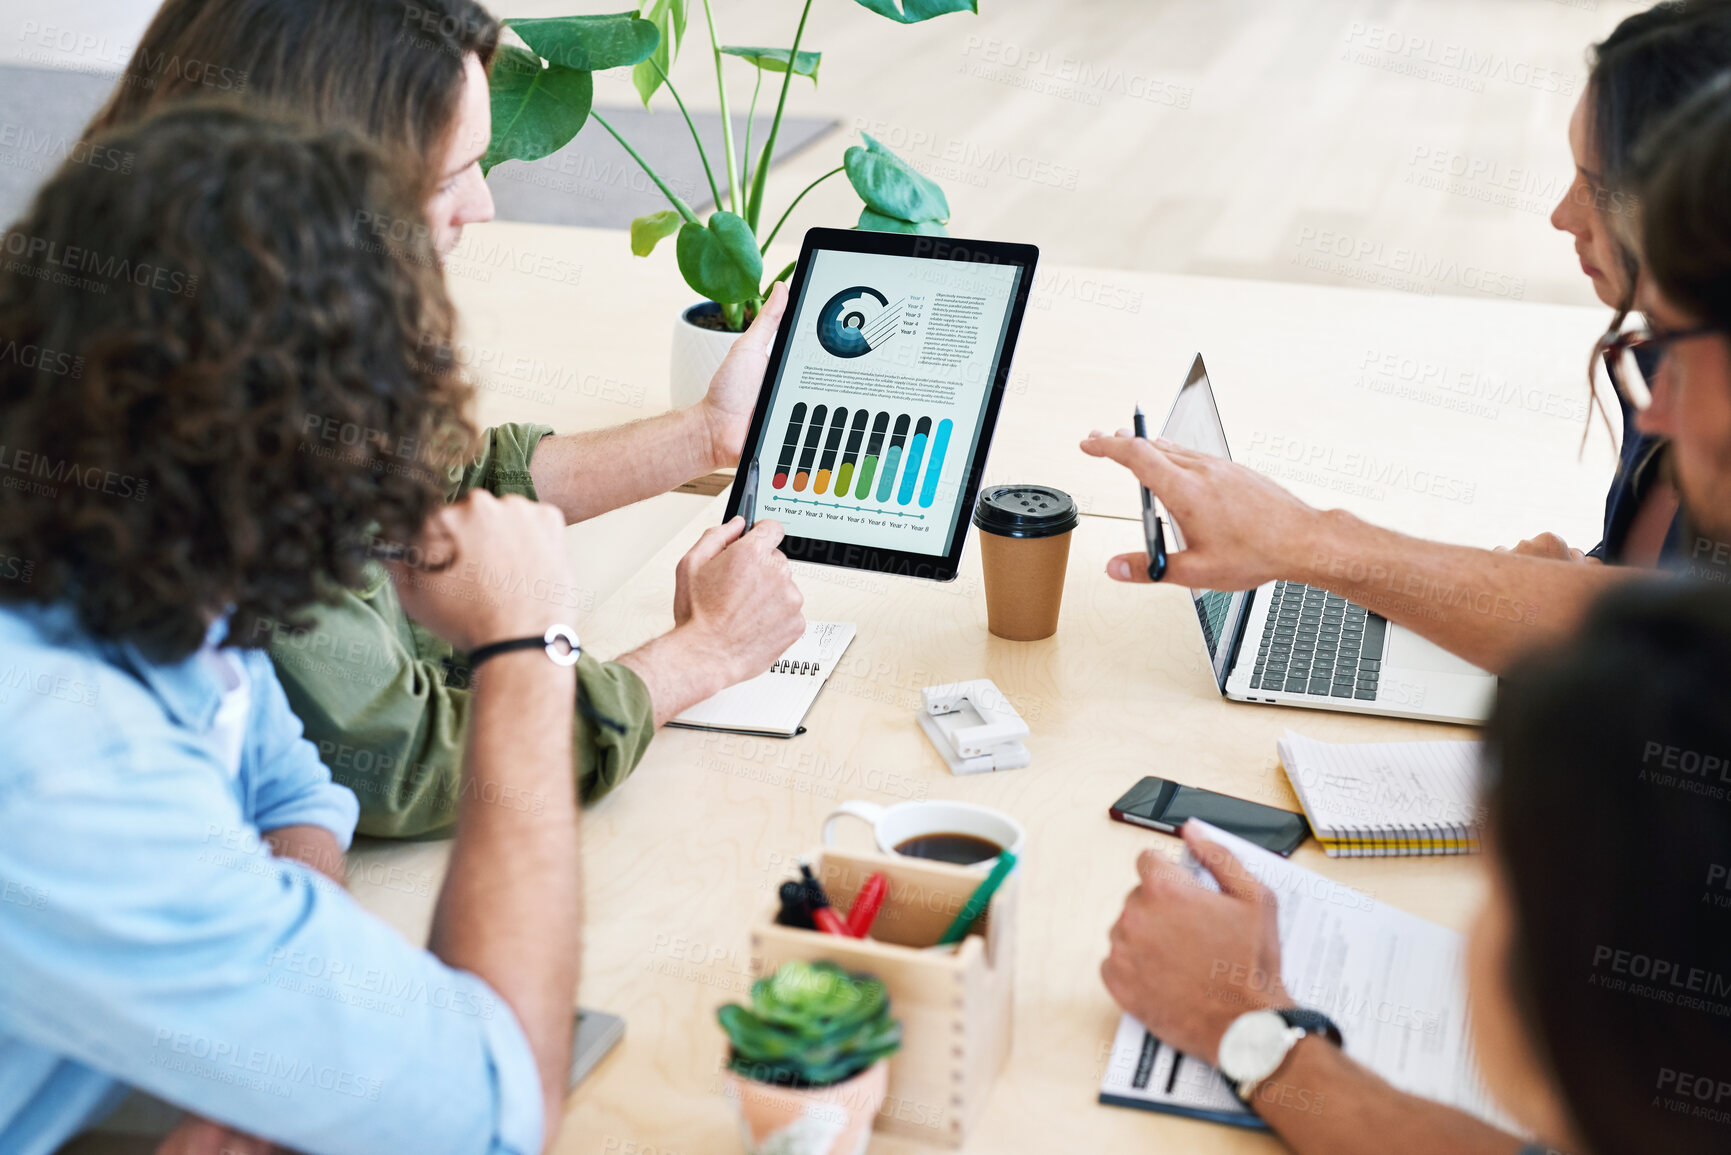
(1195, 424)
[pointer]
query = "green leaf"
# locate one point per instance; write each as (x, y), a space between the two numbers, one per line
(668, 16)
(775, 60)
(721, 260)
(914, 11)
(589, 43)
(878, 223)
(648, 231)
(536, 110)
(891, 186)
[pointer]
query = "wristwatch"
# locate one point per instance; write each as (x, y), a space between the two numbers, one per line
(559, 641)
(1257, 1043)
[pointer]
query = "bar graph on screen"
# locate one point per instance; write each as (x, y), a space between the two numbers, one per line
(899, 477)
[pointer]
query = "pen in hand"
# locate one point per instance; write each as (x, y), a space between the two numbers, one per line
(748, 497)
(1153, 528)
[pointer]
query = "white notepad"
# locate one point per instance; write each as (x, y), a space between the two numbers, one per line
(1378, 799)
(777, 701)
(1394, 984)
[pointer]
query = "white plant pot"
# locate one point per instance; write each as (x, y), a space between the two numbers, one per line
(697, 354)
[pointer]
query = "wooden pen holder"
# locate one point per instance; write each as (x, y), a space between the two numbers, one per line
(955, 1008)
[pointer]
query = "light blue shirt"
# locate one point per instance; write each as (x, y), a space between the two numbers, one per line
(149, 939)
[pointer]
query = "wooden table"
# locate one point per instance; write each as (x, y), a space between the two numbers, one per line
(679, 860)
(1457, 418)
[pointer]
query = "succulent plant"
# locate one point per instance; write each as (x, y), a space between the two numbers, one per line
(810, 1025)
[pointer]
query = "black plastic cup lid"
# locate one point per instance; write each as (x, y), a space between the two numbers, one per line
(1025, 511)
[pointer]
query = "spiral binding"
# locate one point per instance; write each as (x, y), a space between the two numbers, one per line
(783, 666)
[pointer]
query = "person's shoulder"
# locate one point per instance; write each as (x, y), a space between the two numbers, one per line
(50, 668)
(66, 704)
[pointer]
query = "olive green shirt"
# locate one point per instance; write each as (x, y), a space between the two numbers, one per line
(387, 702)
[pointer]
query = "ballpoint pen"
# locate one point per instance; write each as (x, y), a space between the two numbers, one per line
(748, 499)
(1152, 526)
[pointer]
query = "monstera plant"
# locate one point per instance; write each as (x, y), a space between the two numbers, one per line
(543, 95)
(810, 1025)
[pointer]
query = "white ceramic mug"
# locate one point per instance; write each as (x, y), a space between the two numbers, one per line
(894, 825)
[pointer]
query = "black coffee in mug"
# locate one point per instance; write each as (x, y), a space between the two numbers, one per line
(961, 849)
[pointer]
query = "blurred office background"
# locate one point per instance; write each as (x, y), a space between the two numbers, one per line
(1410, 145)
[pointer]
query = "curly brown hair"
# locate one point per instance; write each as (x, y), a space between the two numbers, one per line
(390, 68)
(227, 391)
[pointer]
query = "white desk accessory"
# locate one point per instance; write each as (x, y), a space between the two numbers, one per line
(974, 727)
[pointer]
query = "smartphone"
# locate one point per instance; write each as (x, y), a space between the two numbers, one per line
(595, 1034)
(1163, 805)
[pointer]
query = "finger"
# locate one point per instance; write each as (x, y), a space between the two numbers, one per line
(766, 535)
(761, 334)
(1130, 567)
(1152, 867)
(1234, 880)
(1182, 453)
(1151, 465)
(715, 539)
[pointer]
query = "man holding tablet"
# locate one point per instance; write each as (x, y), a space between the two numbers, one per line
(870, 438)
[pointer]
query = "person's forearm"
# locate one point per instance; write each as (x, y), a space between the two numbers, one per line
(680, 670)
(1487, 607)
(1323, 1103)
(590, 473)
(510, 909)
(313, 845)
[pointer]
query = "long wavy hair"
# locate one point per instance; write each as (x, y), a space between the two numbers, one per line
(393, 69)
(222, 390)
(1649, 67)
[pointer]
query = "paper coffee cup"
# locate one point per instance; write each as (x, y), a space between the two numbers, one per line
(1024, 550)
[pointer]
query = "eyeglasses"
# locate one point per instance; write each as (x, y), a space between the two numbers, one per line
(1620, 352)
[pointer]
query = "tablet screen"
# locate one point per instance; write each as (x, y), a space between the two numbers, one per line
(877, 407)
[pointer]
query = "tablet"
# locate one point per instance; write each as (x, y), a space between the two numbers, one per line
(880, 398)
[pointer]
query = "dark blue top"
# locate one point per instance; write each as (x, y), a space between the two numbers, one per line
(1637, 468)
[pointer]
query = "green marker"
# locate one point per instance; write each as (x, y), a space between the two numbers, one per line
(979, 900)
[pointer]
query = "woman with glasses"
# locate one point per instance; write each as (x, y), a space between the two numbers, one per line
(1490, 606)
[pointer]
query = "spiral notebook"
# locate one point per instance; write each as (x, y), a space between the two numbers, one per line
(776, 701)
(1381, 799)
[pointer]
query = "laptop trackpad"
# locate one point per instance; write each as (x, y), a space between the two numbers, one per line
(1408, 651)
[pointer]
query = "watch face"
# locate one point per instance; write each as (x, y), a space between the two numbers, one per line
(1254, 1046)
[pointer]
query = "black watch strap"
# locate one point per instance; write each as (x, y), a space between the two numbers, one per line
(560, 643)
(1313, 1023)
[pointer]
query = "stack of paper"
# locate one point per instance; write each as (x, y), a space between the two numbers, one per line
(1394, 984)
(1386, 798)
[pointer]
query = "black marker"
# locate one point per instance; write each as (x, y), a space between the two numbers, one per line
(1152, 527)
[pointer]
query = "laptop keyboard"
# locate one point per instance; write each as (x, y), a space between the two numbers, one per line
(1320, 644)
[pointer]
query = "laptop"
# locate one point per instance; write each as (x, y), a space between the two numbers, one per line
(1291, 644)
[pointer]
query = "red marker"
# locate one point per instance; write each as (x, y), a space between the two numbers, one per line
(865, 907)
(822, 913)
